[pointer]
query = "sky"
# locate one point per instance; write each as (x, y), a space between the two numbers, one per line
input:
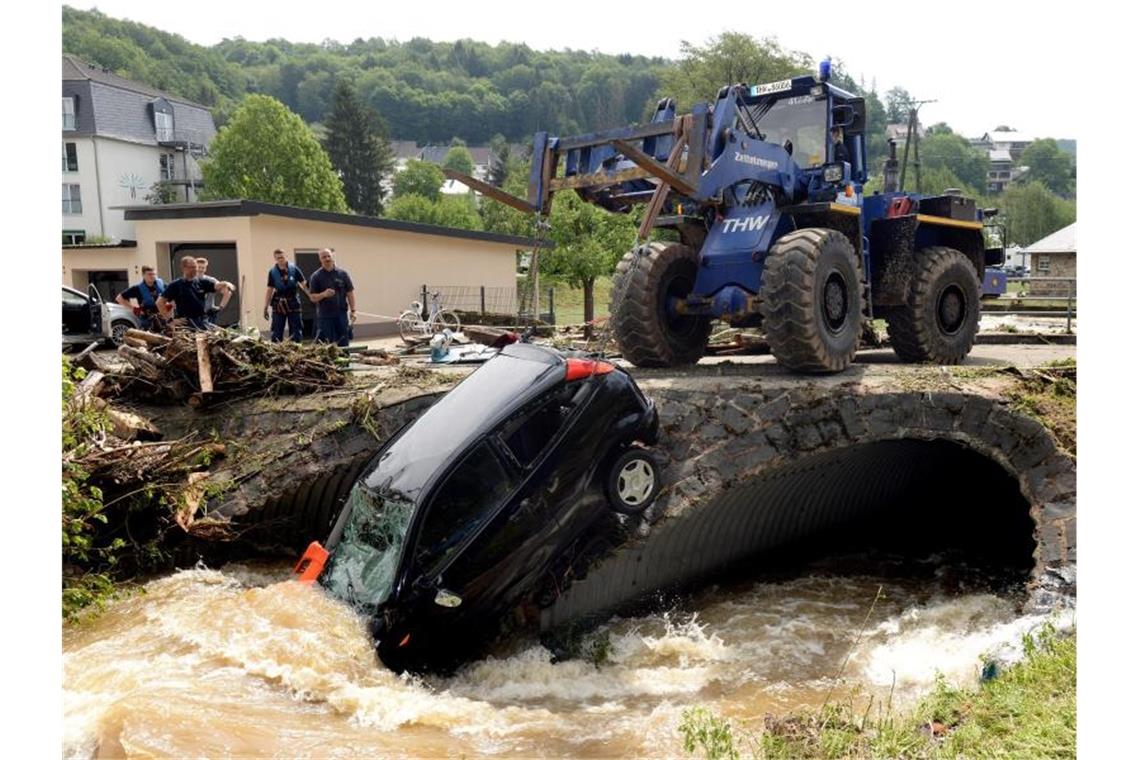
(984, 63)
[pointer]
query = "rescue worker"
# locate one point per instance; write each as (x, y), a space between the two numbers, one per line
(212, 306)
(281, 292)
(330, 288)
(187, 295)
(839, 149)
(146, 295)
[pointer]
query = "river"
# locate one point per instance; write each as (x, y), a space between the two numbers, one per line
(240, 662)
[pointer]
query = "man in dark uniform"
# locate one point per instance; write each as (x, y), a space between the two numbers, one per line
(145, 295)
(187, 295)
(212, 306)
(281, 292)
(330, 288)
(839, 149)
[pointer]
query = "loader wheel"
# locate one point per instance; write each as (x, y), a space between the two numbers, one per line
(647, 335)
(940, 320)
(812, 300)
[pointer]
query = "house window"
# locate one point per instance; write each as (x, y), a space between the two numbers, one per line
(1043, 264)
(70, 158)
(164, 126)
(72, 203)
(74, 237)
(69, 114)
(166, 167)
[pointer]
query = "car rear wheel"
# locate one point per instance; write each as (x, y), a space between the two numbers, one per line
(634, 481)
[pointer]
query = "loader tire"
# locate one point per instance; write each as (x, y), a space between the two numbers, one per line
(646, 278)
(812, 298)
(940, 319)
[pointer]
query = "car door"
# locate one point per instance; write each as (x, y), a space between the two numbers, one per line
(76, 313)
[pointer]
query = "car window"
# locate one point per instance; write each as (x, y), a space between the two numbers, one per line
(73, 299)
(529, 433)
(472, 490)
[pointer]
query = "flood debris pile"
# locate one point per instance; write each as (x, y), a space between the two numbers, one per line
(203, 367)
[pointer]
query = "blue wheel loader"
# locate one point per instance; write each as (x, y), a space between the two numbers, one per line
(763, 192)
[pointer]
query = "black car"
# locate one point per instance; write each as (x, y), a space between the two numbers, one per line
(462, 516)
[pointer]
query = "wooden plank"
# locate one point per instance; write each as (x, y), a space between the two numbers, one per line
(598, 179)
(654, 167)
(205, 371)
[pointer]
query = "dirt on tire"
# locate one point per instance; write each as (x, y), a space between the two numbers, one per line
(921, 330)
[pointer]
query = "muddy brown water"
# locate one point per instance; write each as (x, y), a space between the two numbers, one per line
(242, 663)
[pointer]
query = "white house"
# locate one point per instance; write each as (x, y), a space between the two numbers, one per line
(120, 138)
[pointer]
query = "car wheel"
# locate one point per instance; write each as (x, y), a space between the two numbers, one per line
(119, 331)
(634, 481)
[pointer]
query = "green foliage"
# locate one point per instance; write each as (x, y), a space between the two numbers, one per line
(267, 153)
(708, 732)
(459, 159)
(501, 218)
(1051, 166)
(946, 150)
(898, 105)
(446, 211)
(356, 141)
(727, 59)
(162, 192)
(1031, 212)
(418, 178)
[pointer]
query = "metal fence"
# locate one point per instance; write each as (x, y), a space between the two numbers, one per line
(1053, 292)
(488, 300)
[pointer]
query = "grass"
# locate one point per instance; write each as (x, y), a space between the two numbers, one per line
(569, 301)
(1028, 711)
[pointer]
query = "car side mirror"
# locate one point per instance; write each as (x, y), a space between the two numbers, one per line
(445, 598)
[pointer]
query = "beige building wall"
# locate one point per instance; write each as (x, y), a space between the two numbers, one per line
(387, 267)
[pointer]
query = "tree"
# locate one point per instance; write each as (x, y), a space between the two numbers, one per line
(1050, 165)
(459, 159)
(898, 105)
(588, 241)
(267, 153)
(500, 161)
(357, 144)
(941, 128)
(946, 150)
(1032, 212)
(501, 218)
(418, 178)
(446, 211)
(161, 193)
(731, 58)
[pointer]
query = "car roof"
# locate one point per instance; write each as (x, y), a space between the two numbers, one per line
(488, 396)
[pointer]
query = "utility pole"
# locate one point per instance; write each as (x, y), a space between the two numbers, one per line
(912, 129)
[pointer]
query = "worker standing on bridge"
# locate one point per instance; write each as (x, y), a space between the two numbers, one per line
(839, 149)
(281, 292)
(330, 288)
(146, 295)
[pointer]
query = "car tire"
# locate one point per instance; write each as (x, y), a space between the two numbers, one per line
(633, 481)
(119, 331)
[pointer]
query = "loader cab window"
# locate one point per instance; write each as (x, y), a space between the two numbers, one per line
(802, 120)
(470, 493)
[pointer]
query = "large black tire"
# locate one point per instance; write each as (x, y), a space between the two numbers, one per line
(940, 320)
(812, 300)
(646, 334)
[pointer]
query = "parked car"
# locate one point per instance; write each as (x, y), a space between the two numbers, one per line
(466, 513)
(87, 317)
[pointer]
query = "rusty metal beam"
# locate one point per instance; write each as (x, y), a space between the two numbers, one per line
(598, 179)
(654, 167)
(490, 191)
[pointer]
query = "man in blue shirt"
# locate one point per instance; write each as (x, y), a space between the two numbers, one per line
(146, 295)
(187, 295)
(330, 288)
(281, 292)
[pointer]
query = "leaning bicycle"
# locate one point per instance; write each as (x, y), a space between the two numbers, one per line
(415, 329)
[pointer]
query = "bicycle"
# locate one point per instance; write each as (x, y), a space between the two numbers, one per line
(413, 327)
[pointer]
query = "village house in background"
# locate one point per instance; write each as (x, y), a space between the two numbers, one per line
(1055, 256)
(121, 139)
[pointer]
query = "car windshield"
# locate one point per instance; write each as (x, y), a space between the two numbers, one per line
(362, 568)
(802, 120)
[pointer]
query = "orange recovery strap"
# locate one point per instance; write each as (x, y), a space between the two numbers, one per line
(311, 564)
